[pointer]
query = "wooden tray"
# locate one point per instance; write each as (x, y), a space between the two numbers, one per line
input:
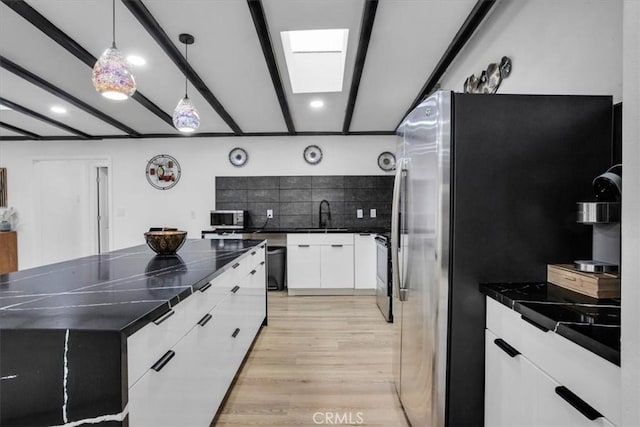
(595, 285)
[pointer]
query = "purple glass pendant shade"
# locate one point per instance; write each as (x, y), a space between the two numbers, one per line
(111, 76)
(185, 116)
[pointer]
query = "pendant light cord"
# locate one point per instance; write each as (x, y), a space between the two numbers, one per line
(113, 27)
(186, 54)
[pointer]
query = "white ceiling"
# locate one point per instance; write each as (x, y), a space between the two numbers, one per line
(408, 39)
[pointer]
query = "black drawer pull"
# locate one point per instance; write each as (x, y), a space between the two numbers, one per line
(205, 287)
(535, 324)
(506, 347)
(205, 319)
(253, 253)
(336, 246)
(365, 234)
(236, 332)
(163, 360)
(235, 289)
(236, 265)
(303, 246)
(262, 263)
(164, 317)
(253, 272)
(583, 407)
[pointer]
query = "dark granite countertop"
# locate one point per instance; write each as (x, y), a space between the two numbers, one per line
(591, 323)
(121, 290)
(354, 230)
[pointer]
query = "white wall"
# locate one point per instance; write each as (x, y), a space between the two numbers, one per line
(631, 217)
(135, 205)
(557, 47)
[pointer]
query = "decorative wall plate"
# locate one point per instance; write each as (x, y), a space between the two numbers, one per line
(238, 157)
(387, 161)
(163, 172)
(312, 154)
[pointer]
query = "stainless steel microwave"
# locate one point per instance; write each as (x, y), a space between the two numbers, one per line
(228, 219)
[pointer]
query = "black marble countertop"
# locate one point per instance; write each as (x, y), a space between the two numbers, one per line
(121, 290)
(354, 230)
(591, 323)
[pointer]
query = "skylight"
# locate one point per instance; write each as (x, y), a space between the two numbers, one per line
(315, 59)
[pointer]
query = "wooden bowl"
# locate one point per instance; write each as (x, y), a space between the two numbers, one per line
(165, 242)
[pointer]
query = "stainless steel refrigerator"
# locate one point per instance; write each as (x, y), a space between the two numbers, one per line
(485, 191)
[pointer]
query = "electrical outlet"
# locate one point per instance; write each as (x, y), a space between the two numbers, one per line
(372, 213)
(359, 213)
(269, 213)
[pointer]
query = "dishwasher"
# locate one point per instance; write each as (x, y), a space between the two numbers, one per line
(384, 291)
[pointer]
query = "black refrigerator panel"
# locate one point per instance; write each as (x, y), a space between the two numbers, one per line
(519, 165)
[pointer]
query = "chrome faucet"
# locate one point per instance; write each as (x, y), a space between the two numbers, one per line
(326, 221)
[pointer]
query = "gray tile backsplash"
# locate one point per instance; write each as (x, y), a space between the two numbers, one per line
(295, 200)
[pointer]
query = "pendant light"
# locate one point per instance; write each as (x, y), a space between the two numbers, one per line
(111, 76)
(185, 117)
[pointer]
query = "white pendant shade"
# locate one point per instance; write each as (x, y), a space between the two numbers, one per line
(185, 117)
(111, 76)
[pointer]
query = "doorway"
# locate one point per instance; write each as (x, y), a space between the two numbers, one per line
(72, 209)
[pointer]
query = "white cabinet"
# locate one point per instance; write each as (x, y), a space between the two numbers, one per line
(181, 368)
(303, 266)
(336, 266)
(320, 263)
(538, 378)
(364, 246)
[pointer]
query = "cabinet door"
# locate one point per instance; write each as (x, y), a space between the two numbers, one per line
(507, 397)
(337, 266)
(303, 266)
(364, 261)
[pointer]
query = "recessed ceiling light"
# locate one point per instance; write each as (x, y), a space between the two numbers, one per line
(136, 60)
(316, 103)
(58, 109)
(4, 107)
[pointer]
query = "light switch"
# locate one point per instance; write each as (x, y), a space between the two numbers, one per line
(372, 213)
(359, 213)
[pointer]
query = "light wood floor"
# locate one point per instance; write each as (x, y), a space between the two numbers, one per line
(318, 355)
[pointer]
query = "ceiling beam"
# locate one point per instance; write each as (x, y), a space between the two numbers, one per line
(57, 35)
(469, 26)
(35, 115)
(45, 85)
(204, 135)
(19, 130)
(366, 26)
(262, 28)
(146, 19)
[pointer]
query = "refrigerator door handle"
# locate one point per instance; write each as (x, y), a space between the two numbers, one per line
(395, 229)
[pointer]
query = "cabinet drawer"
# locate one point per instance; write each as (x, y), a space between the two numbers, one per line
(337, 266)
(245, 302)
(255, 278)
(594, 379)
(152, 341)
(319, 239)
(303, 266)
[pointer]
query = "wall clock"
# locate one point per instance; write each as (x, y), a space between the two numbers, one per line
(387, 161)
(163, 171)
(238, 157)
(312, 154)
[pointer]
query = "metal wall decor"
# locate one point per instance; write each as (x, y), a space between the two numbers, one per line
(490, 79)
(238, 157)
(163, 172)
(312, 154)
(387, 161)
